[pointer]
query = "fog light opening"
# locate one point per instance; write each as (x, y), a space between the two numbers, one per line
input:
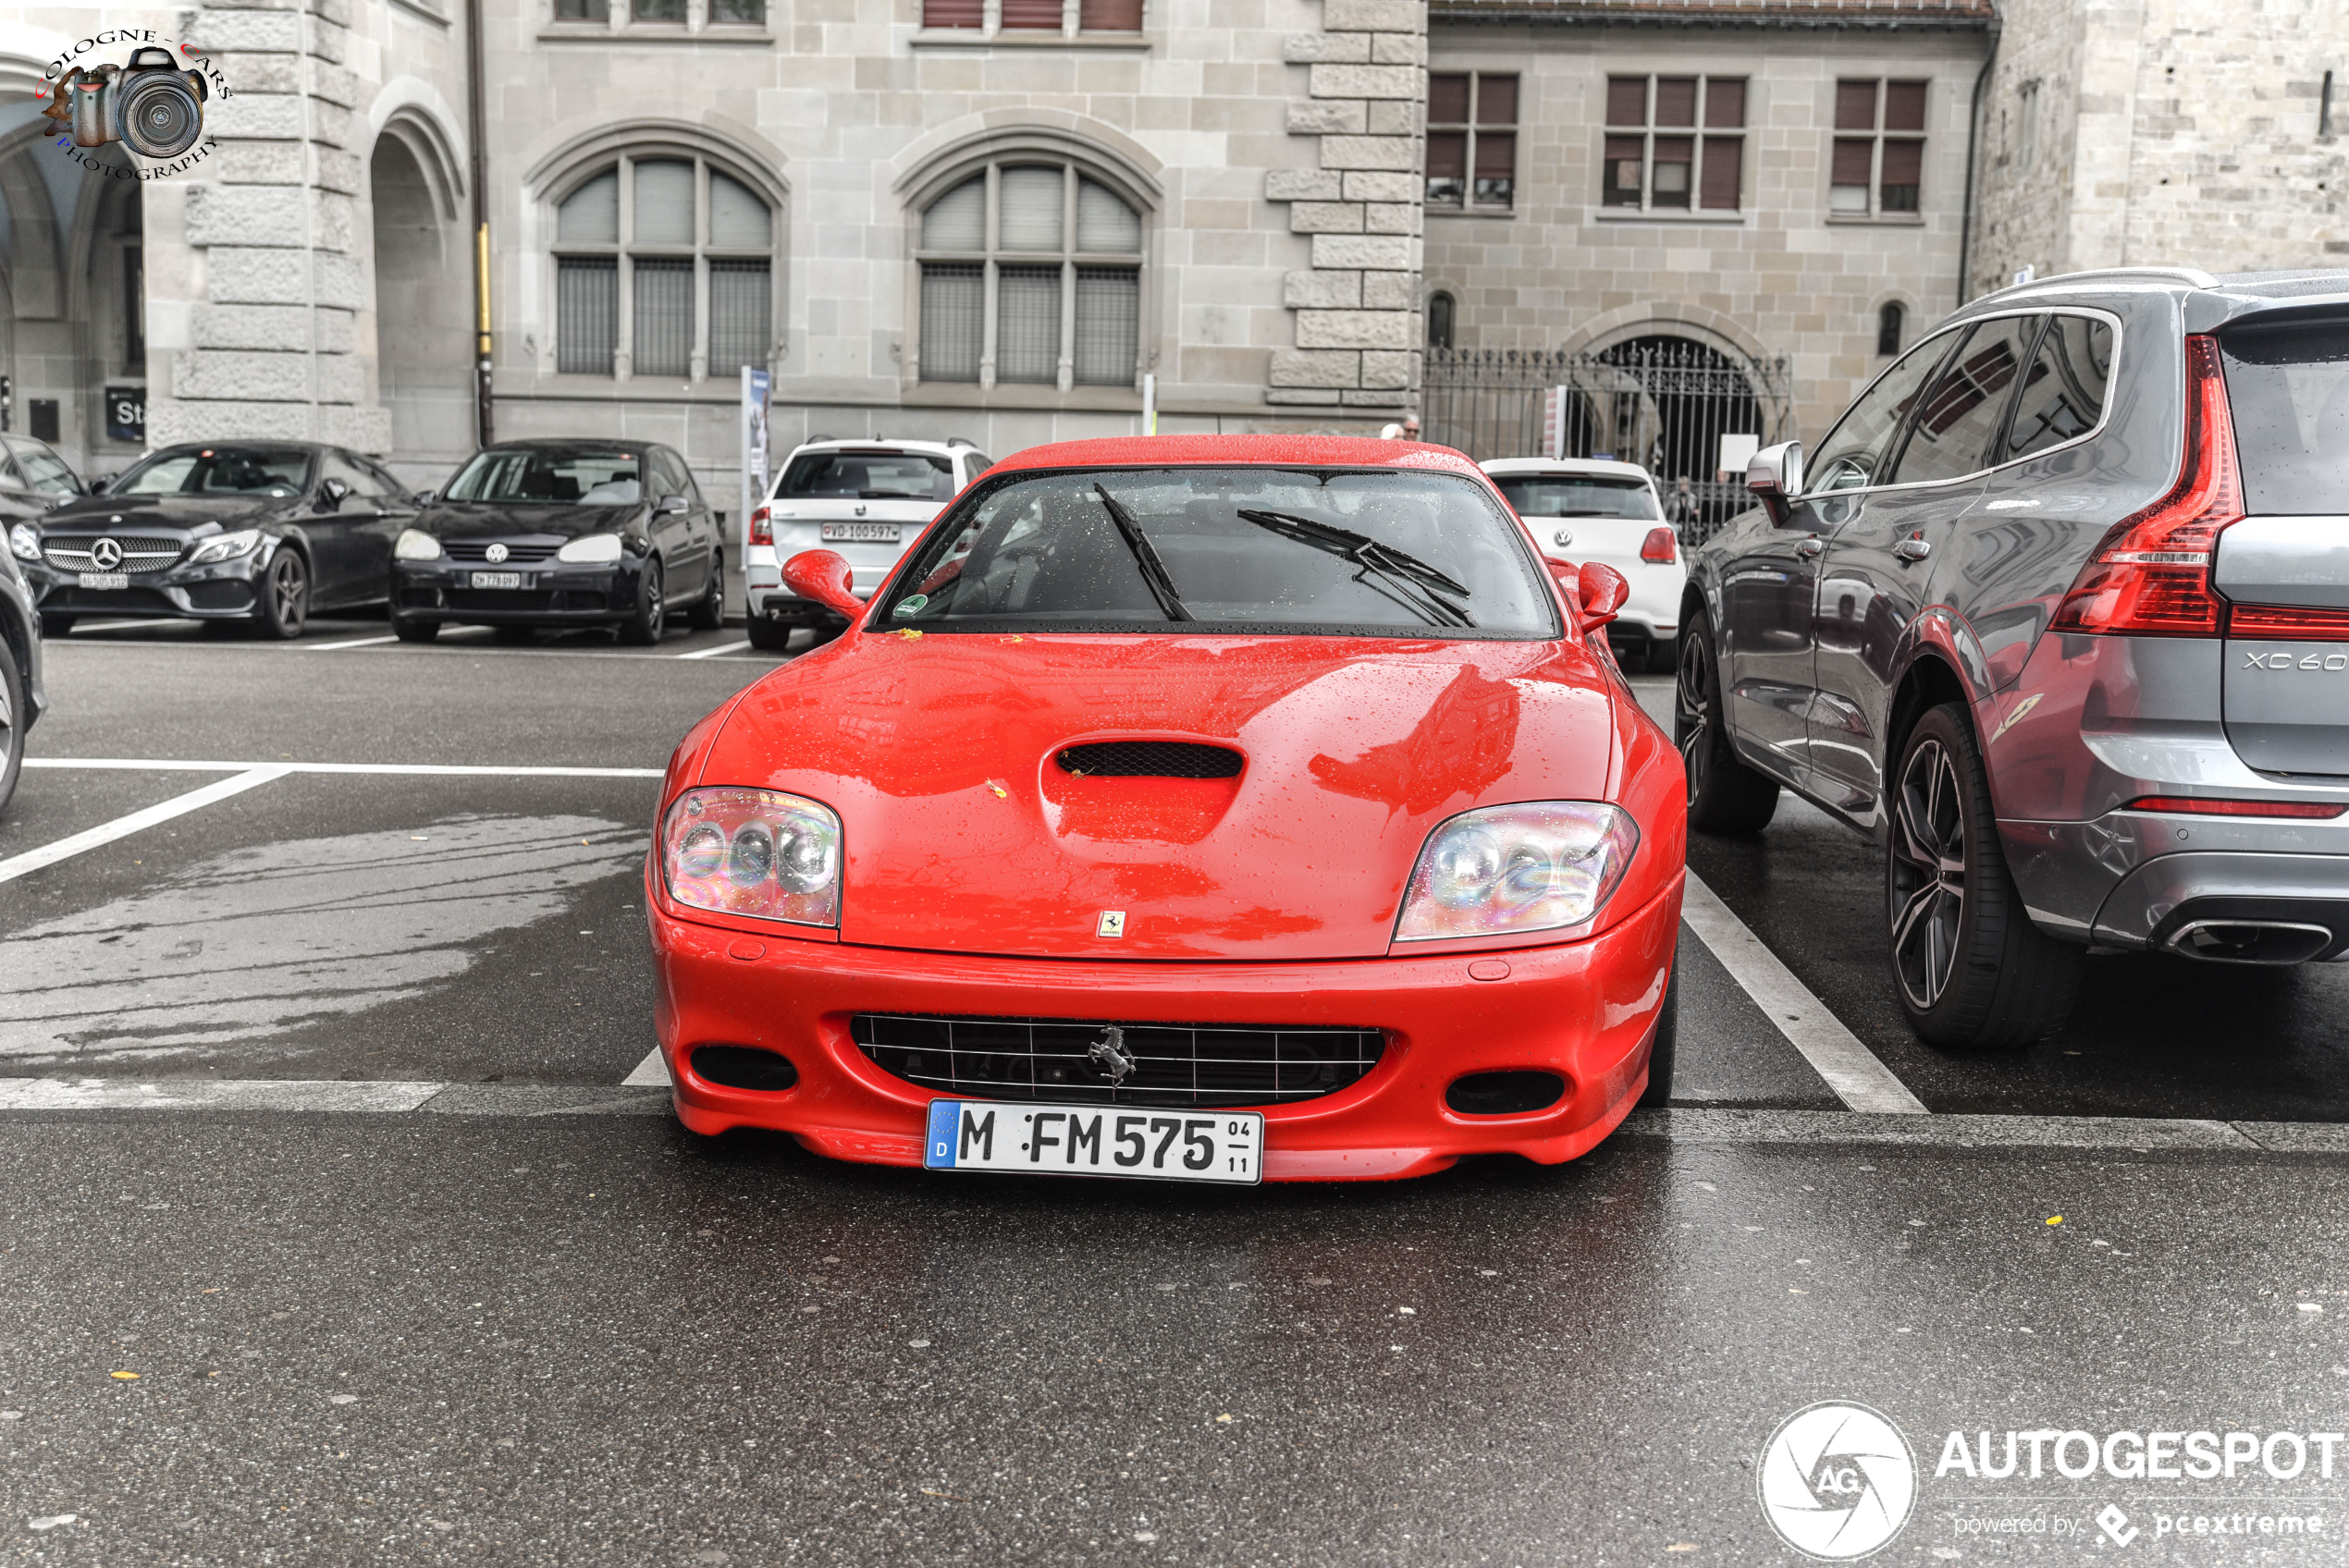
(744, 1067)
(1505, 1094)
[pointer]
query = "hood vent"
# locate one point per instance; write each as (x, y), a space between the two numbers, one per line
(1150, 759)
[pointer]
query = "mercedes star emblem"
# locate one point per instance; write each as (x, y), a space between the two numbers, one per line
(494, 554)
(1110, 1055)
(106, 554)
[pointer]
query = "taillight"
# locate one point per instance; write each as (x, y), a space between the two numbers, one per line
(762, 527)
(2192, 807)
(2288, 623)
(1660, 547)
(2152, 573)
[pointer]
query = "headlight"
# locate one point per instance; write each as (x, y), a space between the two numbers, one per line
(24, 541)
(415, 545)
(758, 852)
(1507, 869)
(593, 548)
(226, 546)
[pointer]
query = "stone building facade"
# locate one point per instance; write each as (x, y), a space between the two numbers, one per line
(997, 219)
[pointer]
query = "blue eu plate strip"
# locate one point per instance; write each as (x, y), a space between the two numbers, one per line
(937, 1151)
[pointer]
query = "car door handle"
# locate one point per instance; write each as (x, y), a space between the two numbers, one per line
(1913, 549)
(1809, 549)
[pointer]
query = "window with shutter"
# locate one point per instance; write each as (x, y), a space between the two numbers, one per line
(1472, 141)
(664, 202)
(1109, 16)
(586, 313)
(1030, 219)
(1876, 167)
(953, 13)
(1649, 157)
(1032, 15)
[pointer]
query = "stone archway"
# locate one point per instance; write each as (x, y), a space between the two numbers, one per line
(424, 317)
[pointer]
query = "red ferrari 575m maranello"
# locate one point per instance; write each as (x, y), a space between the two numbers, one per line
(1198, 808)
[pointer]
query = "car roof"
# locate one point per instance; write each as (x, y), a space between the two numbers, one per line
(876, 443)
(621, 441)
(2210, 298)
(1512, 466)
(1198, 451)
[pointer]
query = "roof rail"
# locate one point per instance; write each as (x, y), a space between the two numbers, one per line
(2195, 275)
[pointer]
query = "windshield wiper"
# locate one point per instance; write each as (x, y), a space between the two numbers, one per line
(1404, 579)
(1153, 570)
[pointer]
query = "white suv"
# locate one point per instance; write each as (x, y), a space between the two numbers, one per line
(868, 499)
(1589, 509)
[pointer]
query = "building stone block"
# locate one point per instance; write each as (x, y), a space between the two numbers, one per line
(171, 421)
(1388, 252)
(1300, 185)
(1365, 398)
(1338, 117)
(281, 328)
(242, 275)
(1354, 329)
(278, 117)
(322, 39)
(1391, 217)
(1300, 367)
(1378, 185)
(257, 163)
(1306, 395)
(335, 13)
(1398, 49)
(1325, 218)
(1305, 48)
(334, 83)
(1323, 290)
(1366, 82)
(334, 220)
(1390, 291)
(1370, 152)
(1374, 15)
(366, 429)
(1394, 117)
(337, 330)
(253, 5)
(262, 73)
(342, 282)
(217, 31)
(330, 123)
(338, 171)
(245, 214)
(1390, 369)
(242, 376)
(341, 378)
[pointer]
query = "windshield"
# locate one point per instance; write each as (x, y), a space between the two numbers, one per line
(220, 470)
(2288, 389)
(869, 476)
(579, 476)
(1578, 495)
(1335, 552)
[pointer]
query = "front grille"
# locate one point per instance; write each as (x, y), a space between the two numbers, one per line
(139, 551)
(1150, 759)
(1063, 1062)
(498, 599)
(478, 550)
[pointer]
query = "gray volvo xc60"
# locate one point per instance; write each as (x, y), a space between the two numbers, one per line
(2059, 614)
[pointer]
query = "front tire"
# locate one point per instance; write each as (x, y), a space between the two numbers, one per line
(284, 598)
(644, 629)
(769, 636)
(15, 714)
(409, 630)
(1725, 796)
(709, 612)
(1970, 968)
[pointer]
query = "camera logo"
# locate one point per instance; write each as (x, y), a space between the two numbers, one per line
(150, 106)
(1837, 1481)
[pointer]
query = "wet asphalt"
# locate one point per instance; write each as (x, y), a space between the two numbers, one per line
(589, 1338)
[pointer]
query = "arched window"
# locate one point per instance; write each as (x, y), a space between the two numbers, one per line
(664, 265)
(1887, 328)
(1439, 321)
(1031, 272)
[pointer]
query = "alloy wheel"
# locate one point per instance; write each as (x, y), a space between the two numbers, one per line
(1928, 881)
(286, 586)
(1692, 721)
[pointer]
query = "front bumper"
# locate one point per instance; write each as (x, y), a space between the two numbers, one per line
(553, 594)
(1585, 1011)
(220, 591)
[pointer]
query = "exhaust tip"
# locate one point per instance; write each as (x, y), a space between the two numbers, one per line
(2250, 942)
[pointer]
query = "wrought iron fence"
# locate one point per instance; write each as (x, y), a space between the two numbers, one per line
(1677, 409)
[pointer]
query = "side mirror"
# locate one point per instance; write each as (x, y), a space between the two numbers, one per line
(1602, 594)
(98, 486)
(673, 504)
(336, 491)
(823, 576)
(425, 497)
(1774, 474)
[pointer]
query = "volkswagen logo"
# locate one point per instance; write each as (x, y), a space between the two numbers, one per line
(494, 554)
(1838, 1481)
(106, 554)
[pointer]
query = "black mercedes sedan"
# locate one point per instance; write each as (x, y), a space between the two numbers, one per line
(563, 532)
(239, 535)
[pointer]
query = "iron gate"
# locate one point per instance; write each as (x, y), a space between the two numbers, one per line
(1665, 403)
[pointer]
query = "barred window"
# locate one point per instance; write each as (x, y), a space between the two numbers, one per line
(1878, 164)
(1030, 272)
(1472, 141)
(1674, 143)
(1036, 16)
(664, 265)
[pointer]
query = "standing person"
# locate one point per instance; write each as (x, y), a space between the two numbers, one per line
(1410, 427)
(1681, 510)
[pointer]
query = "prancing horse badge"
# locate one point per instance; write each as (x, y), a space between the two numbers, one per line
(1112, 923)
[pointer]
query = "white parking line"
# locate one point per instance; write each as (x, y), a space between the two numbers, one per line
(123, 826)
(713, 653)
(330, 647)
(1859, 1078)
(410, 769)
(650, 1073)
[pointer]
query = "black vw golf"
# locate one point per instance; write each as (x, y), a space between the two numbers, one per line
(250, 535)
(563, 532)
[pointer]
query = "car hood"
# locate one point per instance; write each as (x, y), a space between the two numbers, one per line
(481, 520)
(964, 834)
(185, 513)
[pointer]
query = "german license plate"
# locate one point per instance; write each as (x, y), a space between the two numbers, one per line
(1062, 1140)
(103, 580)
(862, 532)
(497, 580)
